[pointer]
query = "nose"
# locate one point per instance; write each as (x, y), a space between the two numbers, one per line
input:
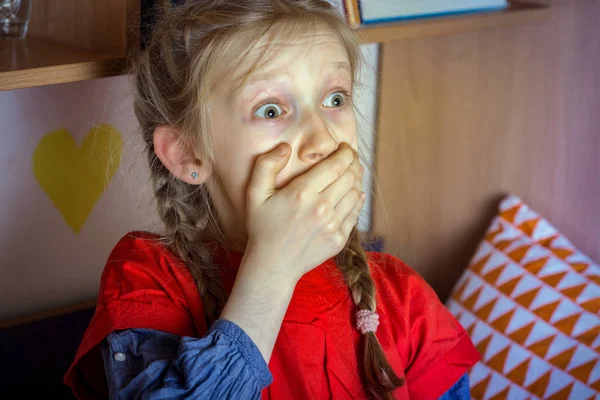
(317, 140)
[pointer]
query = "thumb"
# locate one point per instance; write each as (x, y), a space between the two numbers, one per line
(266, 169)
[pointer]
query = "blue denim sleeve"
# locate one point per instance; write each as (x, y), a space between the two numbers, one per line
(224, 364)
(460, 391)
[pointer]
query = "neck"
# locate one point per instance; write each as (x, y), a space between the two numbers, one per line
(225, 225)
(226, 237)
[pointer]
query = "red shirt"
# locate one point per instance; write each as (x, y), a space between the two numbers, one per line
(318, 352)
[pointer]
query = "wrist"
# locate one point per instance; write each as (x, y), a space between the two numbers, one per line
(258, 302)
(268, 269)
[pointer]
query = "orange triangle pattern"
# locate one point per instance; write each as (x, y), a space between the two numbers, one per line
(596, 385)
(484, 312)
(573, 292)
(595, 279)
(554, 279)
(497, 362)
(583, 371)
(535, 266)
(562, 253)
(521, 334)
(562, 394)
(541, 347)
(510, 214)
(567, 324)
(483, 345)
(478, 391)
(545, 312)
(592, 305)
(469, 302)
(492, 276)
(458, 294)
(588, 337)
(517, 375)
(518, 254)
(561, 360)
(502, 303)
(528, 227)
(539, 386)
(470, 330)
(501, 323)
(478, 266)
(458, 315)
(579, 267)
(508, 286)
(547, 242)
(503, 244)
(492, 234)
(525, 299)
(502, 395)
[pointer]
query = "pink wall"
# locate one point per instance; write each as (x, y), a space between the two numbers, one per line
(43, 262)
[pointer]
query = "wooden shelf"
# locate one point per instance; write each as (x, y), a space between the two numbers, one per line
(518, 13)
(33, 62)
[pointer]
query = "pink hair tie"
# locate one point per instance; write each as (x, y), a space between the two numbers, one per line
(367, 321)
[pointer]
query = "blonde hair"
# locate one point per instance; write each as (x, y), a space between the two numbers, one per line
(192, 47)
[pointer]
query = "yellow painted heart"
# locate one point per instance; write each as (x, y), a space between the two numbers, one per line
(74, 177)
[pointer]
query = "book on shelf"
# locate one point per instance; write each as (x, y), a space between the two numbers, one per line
(379, 11)
(352, 12)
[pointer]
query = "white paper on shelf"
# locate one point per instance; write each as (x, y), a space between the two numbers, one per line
(375, 10)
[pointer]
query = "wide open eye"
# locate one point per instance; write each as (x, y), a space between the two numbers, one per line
(337, 99)
(269, 111)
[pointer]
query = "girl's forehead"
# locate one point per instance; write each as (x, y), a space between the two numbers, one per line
(278, 54)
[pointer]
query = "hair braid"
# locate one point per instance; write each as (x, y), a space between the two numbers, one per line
(184, 210)
(352, 261)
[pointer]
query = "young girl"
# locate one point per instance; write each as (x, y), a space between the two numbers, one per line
(259, 285)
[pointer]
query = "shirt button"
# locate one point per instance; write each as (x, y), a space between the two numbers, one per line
(119, 357)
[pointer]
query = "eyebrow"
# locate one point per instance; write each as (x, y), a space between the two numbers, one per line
(271, 75)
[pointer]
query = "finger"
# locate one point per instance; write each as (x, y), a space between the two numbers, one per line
(264, 175)
(327, 171)
(358, 182)
(340, 188)
(352, 218)
(347, 204)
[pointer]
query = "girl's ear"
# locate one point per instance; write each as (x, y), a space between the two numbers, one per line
(178, 158)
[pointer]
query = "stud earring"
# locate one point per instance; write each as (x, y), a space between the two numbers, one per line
(194, 175)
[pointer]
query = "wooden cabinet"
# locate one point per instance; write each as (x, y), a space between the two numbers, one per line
(71, 41)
